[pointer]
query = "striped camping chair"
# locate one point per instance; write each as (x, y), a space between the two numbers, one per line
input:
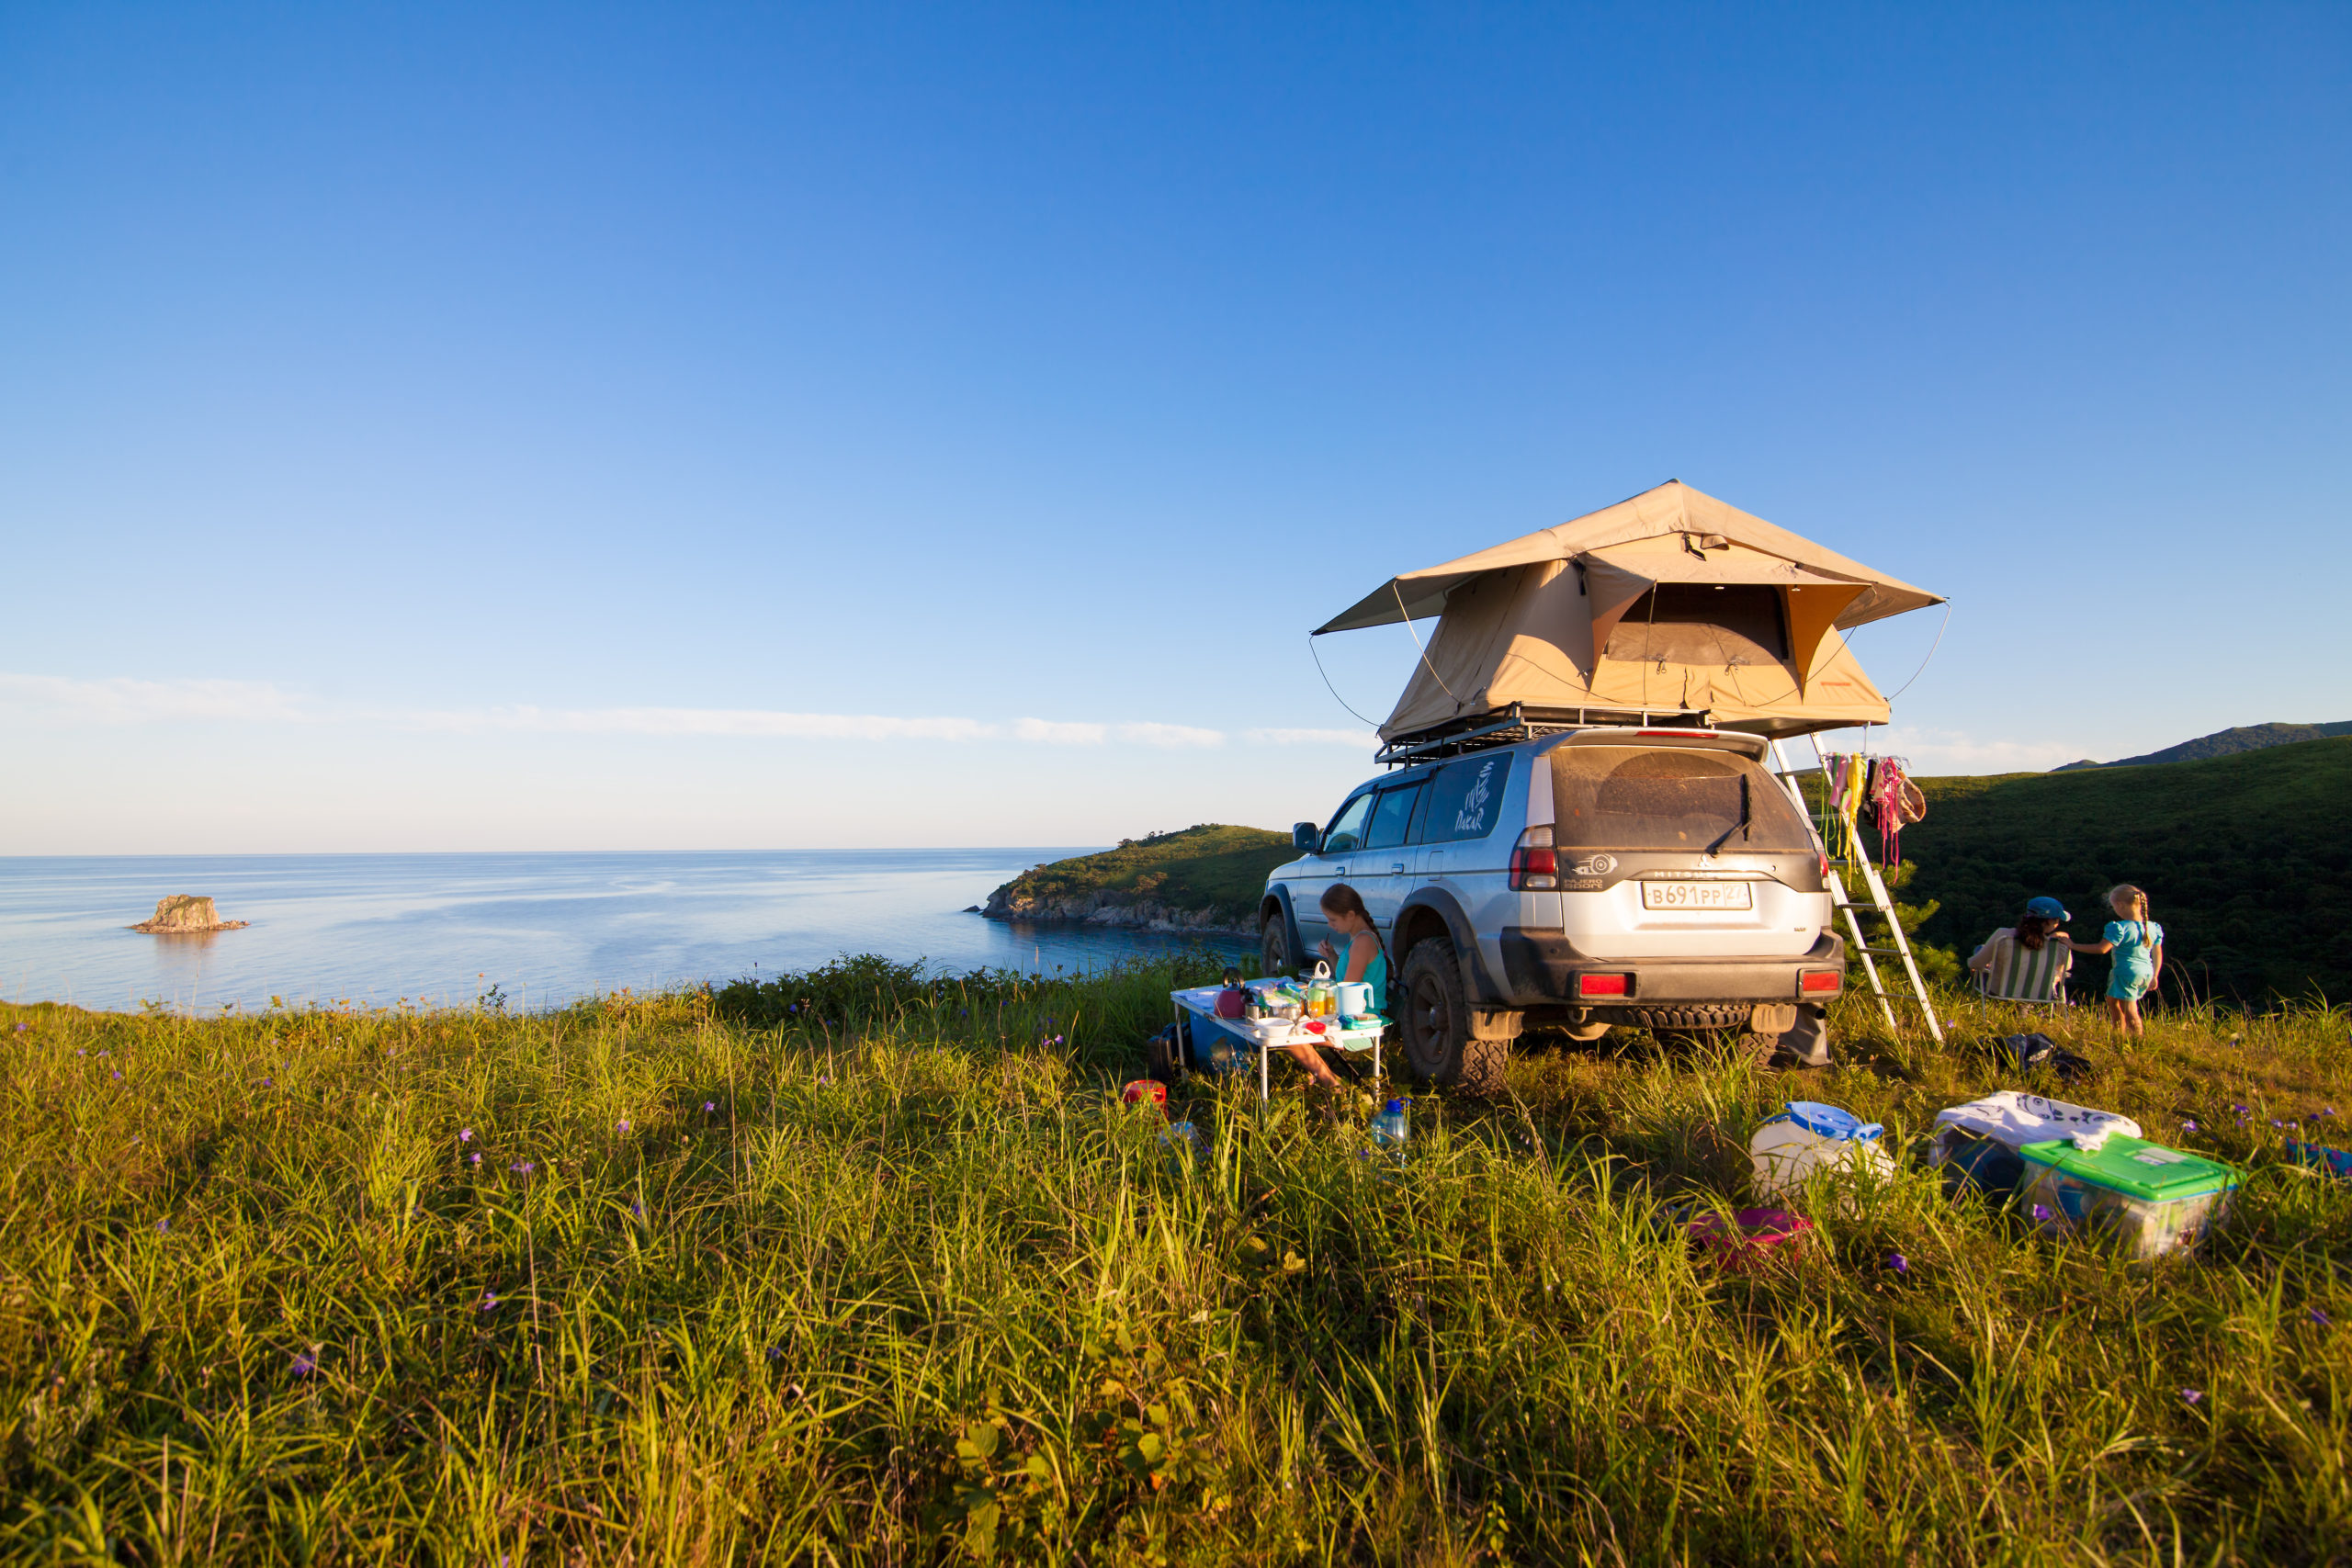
(2018, 973)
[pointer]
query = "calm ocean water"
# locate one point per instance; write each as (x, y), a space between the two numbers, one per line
(543, 928)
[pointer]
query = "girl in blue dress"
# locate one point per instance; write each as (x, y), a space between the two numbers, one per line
(2138, 945)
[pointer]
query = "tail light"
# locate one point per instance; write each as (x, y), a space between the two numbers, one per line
(1821, 982)
(1532, 864)
(1603, 984)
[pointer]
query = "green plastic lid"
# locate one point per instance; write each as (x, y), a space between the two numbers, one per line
(2136, 1167)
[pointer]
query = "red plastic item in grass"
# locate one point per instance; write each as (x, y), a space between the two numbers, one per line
(1753, 1237)
(1147, 1090)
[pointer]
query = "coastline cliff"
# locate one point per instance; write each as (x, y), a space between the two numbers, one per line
(1207, 878)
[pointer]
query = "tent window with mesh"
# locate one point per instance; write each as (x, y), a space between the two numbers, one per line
(1699, 623)
(1624, 797)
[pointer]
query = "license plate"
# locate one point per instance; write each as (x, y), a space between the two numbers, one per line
(1697, 896)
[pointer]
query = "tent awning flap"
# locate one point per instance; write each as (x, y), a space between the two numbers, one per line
(1662, 517)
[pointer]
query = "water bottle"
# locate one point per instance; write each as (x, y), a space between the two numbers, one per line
(1181, 1139)
(1389, 1129)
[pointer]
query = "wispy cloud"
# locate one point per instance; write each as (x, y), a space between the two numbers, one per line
(122, 700)
(1952, 752)
(1363, 739)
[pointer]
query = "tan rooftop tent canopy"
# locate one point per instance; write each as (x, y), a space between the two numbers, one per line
(1670, 602)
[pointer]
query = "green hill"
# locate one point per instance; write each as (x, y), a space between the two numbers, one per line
(1212, 871)
(2247, 860)
(2225, 743)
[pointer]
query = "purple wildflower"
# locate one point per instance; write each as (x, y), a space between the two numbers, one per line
(1897, 1264)
(476, 1157)
(489, 1301)
(624, 1127)
(118, 1076)
(265, 1083)
(2189, 1126)
(520, 1167)
(305, 1364)
(465, 1135)
(2041, 1212)
(2319, 1315)
(22, 1027)
(162, 1225)
(708, 1106)
(2191, 1395)
(2239, 1108)
(638, 1208)
(2276, 1122)
(2327, 1110)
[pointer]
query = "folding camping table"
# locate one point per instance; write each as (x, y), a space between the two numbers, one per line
(1264, 1037)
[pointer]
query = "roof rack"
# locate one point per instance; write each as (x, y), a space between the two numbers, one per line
(1508, 727)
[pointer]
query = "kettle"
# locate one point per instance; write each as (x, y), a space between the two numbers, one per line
(1234, 1000)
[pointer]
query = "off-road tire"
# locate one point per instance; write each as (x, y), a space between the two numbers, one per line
(1433, 1017)
(1274, 946)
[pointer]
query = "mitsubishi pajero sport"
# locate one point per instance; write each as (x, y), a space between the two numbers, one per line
(1658, 878)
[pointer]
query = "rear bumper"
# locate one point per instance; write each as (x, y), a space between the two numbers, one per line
(1543, 968)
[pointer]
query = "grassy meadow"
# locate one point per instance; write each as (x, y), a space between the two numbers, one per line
(859, 1268)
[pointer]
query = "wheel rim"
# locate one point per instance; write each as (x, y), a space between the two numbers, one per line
(1431, 1023)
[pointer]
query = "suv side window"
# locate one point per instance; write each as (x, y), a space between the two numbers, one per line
(1346, 830)
(1392, 816)
(1466, 798)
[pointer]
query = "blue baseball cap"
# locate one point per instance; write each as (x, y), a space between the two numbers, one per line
(2047, 907)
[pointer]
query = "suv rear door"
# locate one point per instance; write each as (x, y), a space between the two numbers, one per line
(1681, 853)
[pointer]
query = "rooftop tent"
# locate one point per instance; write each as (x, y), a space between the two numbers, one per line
(1670, 602)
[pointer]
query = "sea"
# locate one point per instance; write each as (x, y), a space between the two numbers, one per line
(532, 930)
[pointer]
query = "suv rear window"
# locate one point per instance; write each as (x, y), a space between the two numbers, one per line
(1631, 797)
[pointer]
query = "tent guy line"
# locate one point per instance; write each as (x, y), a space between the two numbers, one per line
(124, 700)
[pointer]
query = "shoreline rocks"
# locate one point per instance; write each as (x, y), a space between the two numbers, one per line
(182, 914)
(1108, 908)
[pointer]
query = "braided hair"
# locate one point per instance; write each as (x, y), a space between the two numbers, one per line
(2131, 904)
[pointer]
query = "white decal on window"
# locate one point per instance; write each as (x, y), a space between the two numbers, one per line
(1473, 817)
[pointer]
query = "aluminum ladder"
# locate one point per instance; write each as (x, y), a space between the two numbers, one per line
(1881, 901)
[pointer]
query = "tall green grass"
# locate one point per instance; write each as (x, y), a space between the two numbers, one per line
(862, 1266)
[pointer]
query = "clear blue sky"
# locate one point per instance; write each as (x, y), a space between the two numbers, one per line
(495, 426)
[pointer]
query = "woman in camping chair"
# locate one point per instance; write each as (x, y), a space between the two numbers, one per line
(2027, 961)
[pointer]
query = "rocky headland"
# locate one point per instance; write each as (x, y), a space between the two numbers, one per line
(1205, 879)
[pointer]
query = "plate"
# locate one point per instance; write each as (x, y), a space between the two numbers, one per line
(1698, 895)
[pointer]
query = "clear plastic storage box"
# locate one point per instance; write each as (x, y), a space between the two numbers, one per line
(2141, 1198)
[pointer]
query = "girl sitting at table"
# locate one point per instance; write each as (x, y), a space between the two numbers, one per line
(1362, 959)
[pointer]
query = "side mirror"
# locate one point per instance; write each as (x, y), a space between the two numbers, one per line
(1303, 836)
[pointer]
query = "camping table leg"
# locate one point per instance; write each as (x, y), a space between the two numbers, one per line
(1265, 1083)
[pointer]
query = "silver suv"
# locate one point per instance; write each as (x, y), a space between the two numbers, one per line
(1660, 878)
